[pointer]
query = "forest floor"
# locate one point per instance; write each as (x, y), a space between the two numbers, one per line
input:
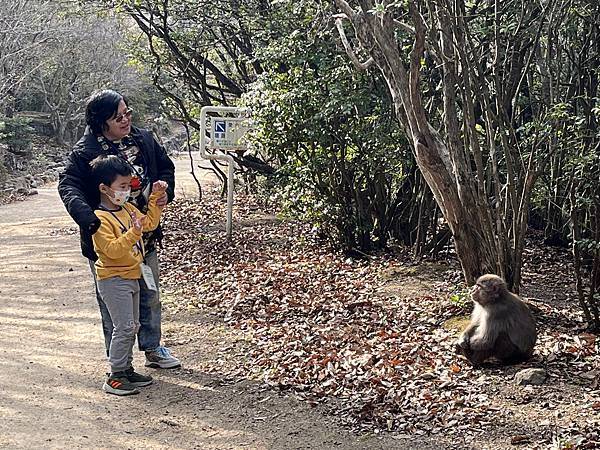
(285, 343)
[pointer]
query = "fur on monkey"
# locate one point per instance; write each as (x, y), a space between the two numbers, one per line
(502, 325)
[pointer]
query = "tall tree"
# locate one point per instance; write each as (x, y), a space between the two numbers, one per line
(465, 80)
(88, 55)
(201, 52)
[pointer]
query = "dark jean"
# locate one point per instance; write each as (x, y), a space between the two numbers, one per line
(150, 316)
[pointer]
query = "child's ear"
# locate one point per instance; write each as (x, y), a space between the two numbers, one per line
(103, 188)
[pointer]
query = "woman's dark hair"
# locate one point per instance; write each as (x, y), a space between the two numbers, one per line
(101, 106)
(106, 168)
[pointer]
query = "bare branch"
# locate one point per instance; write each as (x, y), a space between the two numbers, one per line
(348, 48)
(406, 27)
(345, 6)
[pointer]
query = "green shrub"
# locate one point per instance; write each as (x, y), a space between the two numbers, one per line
(17, 134)
(342, 159)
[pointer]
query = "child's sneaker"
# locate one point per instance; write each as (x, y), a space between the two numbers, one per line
(161, 358)
(118, 384)
(137, 379)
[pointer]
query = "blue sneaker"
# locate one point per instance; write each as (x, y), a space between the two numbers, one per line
(161, 358)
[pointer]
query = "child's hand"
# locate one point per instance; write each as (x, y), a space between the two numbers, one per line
(138, 221)
(160, 186)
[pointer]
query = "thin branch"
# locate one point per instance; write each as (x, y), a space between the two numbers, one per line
(360, 66)
(406, 27)
(345, 6)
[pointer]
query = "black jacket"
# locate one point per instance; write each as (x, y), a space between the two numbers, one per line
(79, 194)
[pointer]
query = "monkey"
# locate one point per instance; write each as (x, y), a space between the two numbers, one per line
(502, 325)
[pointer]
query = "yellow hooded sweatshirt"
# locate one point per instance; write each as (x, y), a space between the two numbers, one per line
(119, 246)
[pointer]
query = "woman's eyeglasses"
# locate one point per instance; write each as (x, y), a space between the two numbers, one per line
(126, 115)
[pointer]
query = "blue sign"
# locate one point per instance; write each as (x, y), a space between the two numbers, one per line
(220, 127)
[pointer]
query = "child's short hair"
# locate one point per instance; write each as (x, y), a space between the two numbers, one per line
(106, 168)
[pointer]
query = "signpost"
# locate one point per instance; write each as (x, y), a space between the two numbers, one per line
(226, 135)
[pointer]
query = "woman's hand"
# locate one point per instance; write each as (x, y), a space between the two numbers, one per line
(161, 187)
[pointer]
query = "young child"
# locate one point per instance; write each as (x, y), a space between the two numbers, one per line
(120, 249)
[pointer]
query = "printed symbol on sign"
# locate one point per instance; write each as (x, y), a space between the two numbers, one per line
(220, 127)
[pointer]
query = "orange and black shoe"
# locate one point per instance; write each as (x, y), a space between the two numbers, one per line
(118, 384)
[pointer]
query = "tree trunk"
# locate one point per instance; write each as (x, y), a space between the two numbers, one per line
(444, 169)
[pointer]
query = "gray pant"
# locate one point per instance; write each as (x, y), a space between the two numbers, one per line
(122, 299)
(149, 333)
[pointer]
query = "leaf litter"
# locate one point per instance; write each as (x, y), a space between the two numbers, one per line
(338, 332)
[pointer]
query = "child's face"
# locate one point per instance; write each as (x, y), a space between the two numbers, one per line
(120, 184)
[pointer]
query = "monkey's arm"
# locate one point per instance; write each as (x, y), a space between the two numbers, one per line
(464, 338)
(477, 357)
(463, 342)
(481, 344)
(474, 349)
(469, 331)
(463, 345)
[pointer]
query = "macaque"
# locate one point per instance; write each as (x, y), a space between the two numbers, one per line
(502, 325)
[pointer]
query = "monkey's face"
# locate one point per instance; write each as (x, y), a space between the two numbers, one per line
(482, 294)
(488, 289)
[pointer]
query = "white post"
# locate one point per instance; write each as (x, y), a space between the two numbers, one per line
(228, 158)
(229, 198)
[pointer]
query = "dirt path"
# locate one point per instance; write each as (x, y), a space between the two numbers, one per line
(52, 364)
